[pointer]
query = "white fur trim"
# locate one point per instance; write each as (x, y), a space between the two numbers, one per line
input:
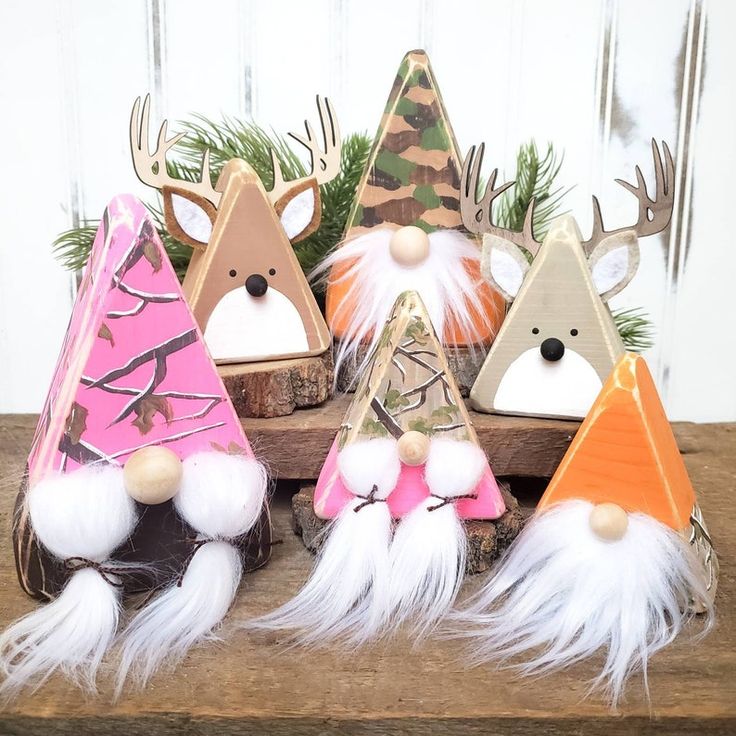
(181, 616)
(345, 597)
(532, 385)
(562, 589)
(221, 496)
(454, 467)
(370, 463)
(427, 561)
(86, 513)
(442, 281)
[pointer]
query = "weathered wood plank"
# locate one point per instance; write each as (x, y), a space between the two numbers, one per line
(249, 685)
(296, 446)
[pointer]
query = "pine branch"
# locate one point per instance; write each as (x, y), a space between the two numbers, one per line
(236, 139)
(535, 179)
(635, 328)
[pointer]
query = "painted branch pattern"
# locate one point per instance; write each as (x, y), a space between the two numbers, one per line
(145, 378)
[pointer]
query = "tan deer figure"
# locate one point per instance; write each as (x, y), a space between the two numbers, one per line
(558, 342)
(244, 283)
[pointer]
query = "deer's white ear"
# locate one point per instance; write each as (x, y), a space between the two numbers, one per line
(504, 265)
(299, 210)
(188, 217)
(613, 263)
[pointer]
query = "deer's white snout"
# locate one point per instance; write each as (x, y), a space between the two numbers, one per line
(244, 327)
(532, 385)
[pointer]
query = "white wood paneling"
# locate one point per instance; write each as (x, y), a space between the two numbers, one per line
(598, 78)
(35, 293)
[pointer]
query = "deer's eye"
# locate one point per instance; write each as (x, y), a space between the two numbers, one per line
(573, 332)
(271, 271)
(233, 272)
(535, 330)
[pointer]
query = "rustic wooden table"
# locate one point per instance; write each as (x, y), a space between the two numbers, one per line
(248, 685)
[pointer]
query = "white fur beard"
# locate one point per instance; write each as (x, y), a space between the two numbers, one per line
(429, 548)
(85, 514)
(561, 593)
(221, 497)
(345, 598)
(442, 280)
(427, 565)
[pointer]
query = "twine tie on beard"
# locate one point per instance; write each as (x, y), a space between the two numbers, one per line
(448, 499)
(110, 573)
(370, 499)
(197, 544)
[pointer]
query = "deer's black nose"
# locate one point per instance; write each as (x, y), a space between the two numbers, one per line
(552, 349)
(256, 285)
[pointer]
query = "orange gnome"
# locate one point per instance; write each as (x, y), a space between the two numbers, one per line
(617, 555)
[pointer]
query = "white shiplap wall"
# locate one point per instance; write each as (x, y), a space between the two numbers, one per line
(599, 78)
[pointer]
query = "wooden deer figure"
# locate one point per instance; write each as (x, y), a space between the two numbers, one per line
(244, 283)
(558, 343)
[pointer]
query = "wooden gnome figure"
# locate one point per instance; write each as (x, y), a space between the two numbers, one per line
(244, 283)
(140, 479)
(405, 232)
(617, 555)
(558, 343)
(406, 451)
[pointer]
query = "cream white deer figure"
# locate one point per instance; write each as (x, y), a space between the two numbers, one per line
(558, 342)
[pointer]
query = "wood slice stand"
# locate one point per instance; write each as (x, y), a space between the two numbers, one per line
(276, 388)
(486, 539)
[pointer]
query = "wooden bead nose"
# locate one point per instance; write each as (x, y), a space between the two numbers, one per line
(152, 475)
(609, 521)
(409, 246)
(413, 448)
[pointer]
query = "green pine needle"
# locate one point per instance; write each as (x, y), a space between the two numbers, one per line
(635, 328)
(236, 139)
(535, 178)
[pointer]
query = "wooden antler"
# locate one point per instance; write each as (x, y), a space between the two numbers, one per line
(325, 165)
(478, 215)
(151, 167)
(654, 214)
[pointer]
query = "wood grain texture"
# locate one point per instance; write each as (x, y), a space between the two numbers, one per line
(248, 239)
(296, 446)
(487, 540)
(557, 299)
(248, 686)
(276, 388)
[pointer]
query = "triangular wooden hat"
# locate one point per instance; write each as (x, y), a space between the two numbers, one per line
(558, 303)
(407, 386)
(244, 283)
(412, 177)
(625, 452)
(133, 372)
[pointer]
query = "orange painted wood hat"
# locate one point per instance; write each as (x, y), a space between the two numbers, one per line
(625, 452)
